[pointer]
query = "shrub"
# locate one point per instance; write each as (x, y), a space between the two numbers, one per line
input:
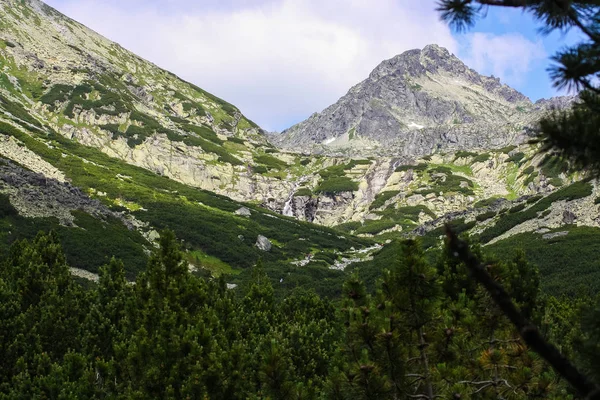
(304, 191)
(270, 162)
(517, 208)
(349, 226)
(337, 185)
(56, 93)
(464, 154)
(486, 202)
(552, 166)
(481, 158)
(507, 149)
(18, 111)
(417, 168)
(204, 132)
(382, 197)
(516, 158)
(534, 199)
(236, 140)
(375, 226)
(529, 170)
(485, 216)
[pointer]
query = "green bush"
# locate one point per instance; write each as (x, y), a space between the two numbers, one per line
(451, 183)
(486, 202)
(382, 197)
(304, 191)
(482, 158)
(349, 226)
(204, 132)
(373, 227)
(534, 199)
(18, 111)
(552, 166)
(417, 168)
(517, 208)
(485, 216)
(507, 149)
(56, 93)
(464, 154)
(236, 140)
(270, 162)
(529, 170)
(337, 185)
(401, 214)
(516, 158)
(531, 178)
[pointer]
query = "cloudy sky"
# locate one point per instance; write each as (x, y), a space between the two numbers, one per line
(281, 60)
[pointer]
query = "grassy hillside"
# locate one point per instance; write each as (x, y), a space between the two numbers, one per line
(206, 222)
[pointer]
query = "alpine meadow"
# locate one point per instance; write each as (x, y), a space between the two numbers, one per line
(433, 234)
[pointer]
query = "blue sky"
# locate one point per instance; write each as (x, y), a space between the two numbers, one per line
(281, 60)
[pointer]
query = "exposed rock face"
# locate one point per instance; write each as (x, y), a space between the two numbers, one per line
(34, 195)
(263, 243)
(416, 103)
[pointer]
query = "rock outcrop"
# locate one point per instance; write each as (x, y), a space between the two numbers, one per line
(417, 103)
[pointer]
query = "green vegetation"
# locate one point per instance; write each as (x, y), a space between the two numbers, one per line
(88, 246)
(569, 264)
(528, 171)
(465, 154)
(483, 157)
(447, 182)
(336, 185)
(486, 202)
(205, 221)
(236, 140)
(349, 226)
(507, 149)
(508, 221)
(485, 216)
(417, 168)
(373, 227)
(303, 191)
(553, 166)
(334, 178)
(177, 335)
(17, 111)
(270, 162)
(382, 197)
(516, 158)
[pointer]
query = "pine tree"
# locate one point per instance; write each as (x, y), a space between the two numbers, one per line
(573, 133)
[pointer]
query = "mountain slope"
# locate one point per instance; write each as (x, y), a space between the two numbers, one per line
(417, 103)
(97, 144)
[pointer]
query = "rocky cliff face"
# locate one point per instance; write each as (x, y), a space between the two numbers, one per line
(417, 103)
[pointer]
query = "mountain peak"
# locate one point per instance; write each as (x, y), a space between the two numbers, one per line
(416, 62)
(415, 103)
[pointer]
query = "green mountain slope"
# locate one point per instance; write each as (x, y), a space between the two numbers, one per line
(147, 150)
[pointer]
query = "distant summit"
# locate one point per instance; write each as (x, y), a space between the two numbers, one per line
(416, 103)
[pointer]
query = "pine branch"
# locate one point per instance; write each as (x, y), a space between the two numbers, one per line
(528, 331)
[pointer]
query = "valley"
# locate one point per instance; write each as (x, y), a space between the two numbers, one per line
(423, 141)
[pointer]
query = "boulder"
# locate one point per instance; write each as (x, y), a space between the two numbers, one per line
(569, 217)
(243, 211)
(263, 243)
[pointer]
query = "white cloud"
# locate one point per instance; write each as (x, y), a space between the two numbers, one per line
(509, 56)
(278, 60)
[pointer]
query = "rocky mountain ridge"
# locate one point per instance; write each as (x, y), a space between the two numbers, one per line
(418, 103)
